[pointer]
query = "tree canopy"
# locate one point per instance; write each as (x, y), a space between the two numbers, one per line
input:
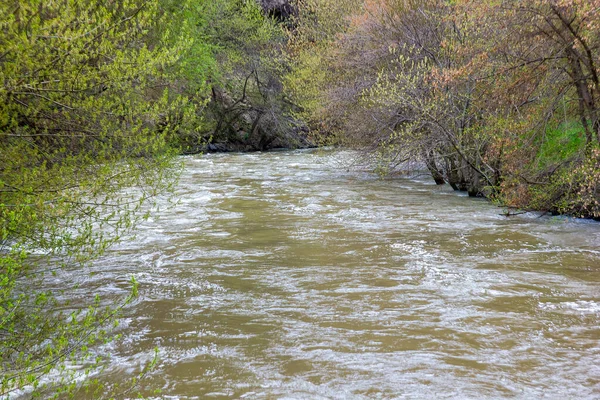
(96, 98)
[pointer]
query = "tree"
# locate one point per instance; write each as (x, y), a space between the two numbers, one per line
(541, 58)
(248, 109)
(495, 98)
(85, 112)
(397, 91)
(313, 62)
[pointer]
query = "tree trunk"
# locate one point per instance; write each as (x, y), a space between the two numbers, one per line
(429, 158)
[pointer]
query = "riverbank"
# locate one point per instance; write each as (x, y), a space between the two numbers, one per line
(243, 143)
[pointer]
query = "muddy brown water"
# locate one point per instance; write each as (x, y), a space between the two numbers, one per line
(287, 276)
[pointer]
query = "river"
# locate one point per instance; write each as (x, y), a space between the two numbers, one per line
(286, 275)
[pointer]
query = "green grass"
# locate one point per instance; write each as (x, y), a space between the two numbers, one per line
(561, 143)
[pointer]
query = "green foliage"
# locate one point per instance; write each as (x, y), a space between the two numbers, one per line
(573, 188)
(561, 143)
(248, 109)
(86, 106)
(305, 82)
(189, 22)
(316, 66)
(242, 37)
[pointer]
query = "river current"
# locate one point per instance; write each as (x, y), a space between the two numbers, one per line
(289, 275)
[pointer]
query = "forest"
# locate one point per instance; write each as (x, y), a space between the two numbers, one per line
(98, 99)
